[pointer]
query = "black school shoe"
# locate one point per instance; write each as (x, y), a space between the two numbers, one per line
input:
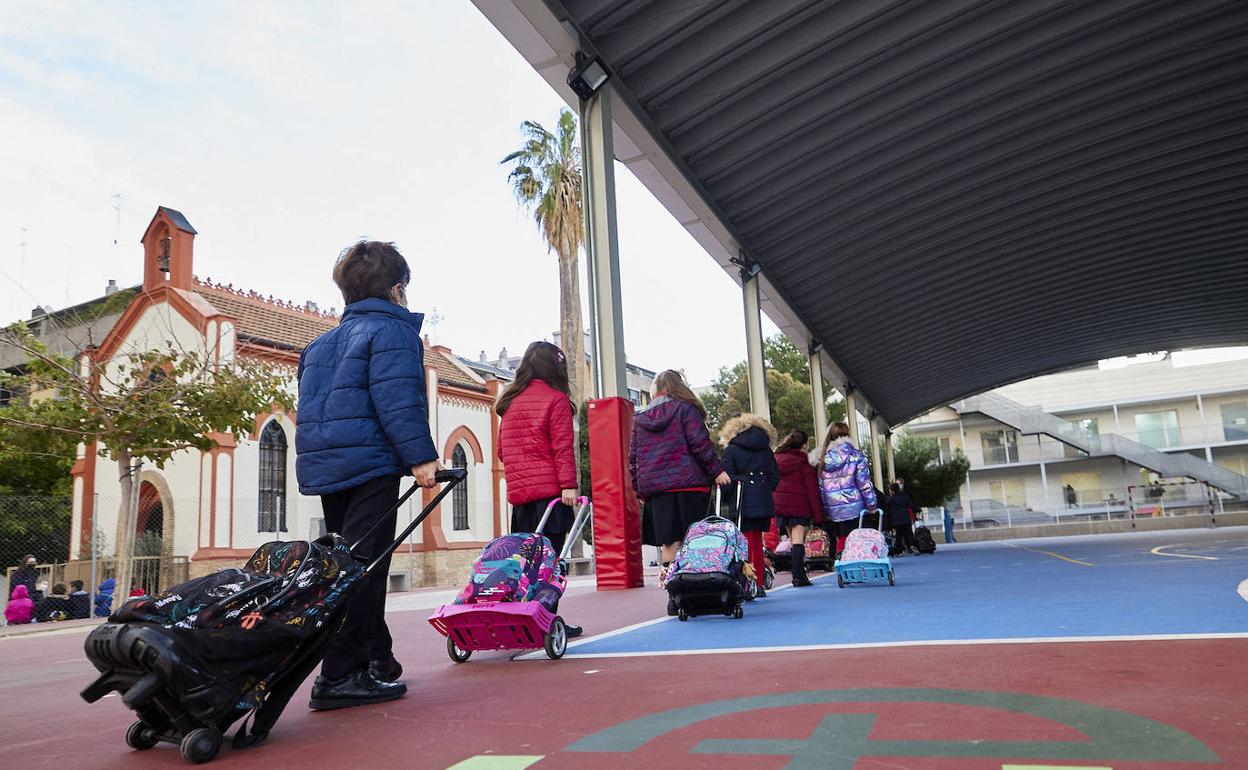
(388, 670)
(573, 631)
(356, 689)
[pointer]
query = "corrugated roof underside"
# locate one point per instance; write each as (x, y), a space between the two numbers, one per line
(957, 195)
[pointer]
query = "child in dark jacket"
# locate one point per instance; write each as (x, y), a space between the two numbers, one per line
(900, 520)
(79, 601)
(363, 425)
(748, 461)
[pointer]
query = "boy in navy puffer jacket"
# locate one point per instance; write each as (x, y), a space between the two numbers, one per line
(363, 423)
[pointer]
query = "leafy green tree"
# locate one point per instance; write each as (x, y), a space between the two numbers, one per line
(788, 391)
(140, 407)
(929, 481)
(546, 179)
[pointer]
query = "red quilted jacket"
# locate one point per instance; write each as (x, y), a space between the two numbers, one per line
(798, 493)
(536, 445)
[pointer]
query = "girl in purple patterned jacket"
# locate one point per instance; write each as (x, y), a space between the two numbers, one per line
(844, 484)
(673, 462)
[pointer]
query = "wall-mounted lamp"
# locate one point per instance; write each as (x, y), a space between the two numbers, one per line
(588, 76)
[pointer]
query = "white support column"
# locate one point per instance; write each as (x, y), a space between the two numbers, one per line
(1204, 431)
(851, 415)
(892, 466)
(1043, 472)
(877, 469)
(602, 244)
(818, 400)
(755, 367)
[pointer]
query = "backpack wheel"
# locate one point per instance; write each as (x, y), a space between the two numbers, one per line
(201, 745)
(840, 581)
(140, 737)
(556, 639)
(769, 577)
(455, 652)
(892, 580)
(682, 614)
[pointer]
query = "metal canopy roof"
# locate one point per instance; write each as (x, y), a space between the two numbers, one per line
(950, 196)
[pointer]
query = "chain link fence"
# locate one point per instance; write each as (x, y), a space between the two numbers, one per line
(34, 553)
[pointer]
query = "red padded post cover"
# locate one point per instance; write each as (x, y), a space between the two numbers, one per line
(617, 521)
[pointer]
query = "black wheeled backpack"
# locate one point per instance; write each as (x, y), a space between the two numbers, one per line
(197, 658)
(923, 540)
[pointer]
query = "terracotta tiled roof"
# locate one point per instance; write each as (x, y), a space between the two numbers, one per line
(283, 325)
(449, 372)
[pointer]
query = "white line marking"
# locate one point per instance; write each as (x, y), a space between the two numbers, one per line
(540, 655)
(1243, 590)
(920, 643)
(1157, 552)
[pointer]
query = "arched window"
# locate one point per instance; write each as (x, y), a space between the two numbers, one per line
(272, 516)
(459, 497)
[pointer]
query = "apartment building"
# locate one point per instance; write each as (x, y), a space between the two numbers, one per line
(1147, 435)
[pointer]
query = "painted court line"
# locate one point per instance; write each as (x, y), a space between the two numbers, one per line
(1049, 553)
(540, 655)
(914, 643)
(1243, 590)
(1157, 552)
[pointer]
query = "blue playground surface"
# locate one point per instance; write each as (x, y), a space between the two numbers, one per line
(1168, 584)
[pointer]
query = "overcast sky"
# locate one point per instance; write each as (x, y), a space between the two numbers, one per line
(284, 131)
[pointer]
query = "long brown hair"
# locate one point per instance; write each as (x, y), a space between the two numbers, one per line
(795, 440)
(671, 383)
(542, 361)
(835, 430)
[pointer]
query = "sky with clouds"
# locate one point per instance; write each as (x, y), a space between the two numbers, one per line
(285, 131)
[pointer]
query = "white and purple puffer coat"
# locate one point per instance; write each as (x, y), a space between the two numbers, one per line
(845, 486)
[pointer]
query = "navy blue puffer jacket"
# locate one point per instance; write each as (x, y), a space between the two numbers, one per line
(362, 407)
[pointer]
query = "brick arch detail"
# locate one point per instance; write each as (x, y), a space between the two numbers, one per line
(463, 434)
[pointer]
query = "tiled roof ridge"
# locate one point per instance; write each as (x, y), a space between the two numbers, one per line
(306, 309)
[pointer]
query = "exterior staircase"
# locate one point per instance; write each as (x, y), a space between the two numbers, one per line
(1032, 420)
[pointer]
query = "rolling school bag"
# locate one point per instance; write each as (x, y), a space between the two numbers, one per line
(923, 540)
(708, 574)
(197, 658)
(818, 549)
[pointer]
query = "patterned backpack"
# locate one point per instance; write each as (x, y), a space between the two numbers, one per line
(515, 568)
(710, 545)
(864, 544)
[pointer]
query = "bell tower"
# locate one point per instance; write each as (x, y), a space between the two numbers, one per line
(168, 246)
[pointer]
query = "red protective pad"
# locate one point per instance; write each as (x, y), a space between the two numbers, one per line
(617, 521)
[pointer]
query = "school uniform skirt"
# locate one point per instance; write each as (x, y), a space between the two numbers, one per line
(666, 517)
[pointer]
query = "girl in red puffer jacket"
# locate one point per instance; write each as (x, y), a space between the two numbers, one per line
(536, 443)
(798, 507)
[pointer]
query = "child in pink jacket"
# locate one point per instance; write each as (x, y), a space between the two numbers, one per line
(20, 608)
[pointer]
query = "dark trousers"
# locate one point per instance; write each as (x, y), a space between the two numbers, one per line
(903, 538)
(363, 635)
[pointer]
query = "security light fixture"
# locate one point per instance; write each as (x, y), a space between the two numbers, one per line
(587, 76)
(164, 254)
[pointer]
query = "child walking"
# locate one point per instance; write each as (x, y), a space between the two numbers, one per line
(748, 461)
(363, 425)
(900, 520)
(672, 462)
(797, 499)
(844, 483)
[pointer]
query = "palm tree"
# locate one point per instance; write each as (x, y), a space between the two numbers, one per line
(546, 178)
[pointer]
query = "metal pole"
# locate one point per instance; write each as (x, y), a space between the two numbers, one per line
(754, 341)
(1044, 475)
(818, 400)
(95, 517)
(892, 466)
(851, 415)
(877, 472)
(602, 245)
